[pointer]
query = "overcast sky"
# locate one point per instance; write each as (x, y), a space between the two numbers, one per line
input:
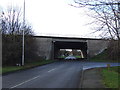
(54, 17)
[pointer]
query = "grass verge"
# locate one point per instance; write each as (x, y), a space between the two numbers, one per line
(110, 77)
(8, 69)
(78, 56)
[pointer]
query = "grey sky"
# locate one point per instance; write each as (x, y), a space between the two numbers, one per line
(54, 17)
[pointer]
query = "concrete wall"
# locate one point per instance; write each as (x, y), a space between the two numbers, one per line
(69, 40)
(96, 46)
(45, 47)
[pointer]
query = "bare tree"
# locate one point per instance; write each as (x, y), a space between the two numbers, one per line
(11, 22)
(106, 15)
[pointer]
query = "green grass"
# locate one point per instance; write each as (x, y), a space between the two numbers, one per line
(7, 69)
(110, 77)
(11, 68)
(0, 70)
(78, 56)
(66, 56)
(62, 56)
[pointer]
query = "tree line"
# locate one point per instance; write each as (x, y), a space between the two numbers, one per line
(11, 30)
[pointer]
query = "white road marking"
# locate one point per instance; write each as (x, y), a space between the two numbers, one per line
(51, 70)
(24, 82)
(29, 80)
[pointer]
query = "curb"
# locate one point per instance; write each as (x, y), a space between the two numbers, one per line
(81, 79)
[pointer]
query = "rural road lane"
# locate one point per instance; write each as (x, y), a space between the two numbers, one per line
(56, 75)
(62, 74)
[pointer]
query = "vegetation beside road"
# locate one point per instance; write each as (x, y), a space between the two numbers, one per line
(67, 56)
(110, 76)
(102, 57)
(7, 69)
(78, 56)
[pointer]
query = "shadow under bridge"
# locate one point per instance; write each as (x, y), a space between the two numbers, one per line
(69, 45)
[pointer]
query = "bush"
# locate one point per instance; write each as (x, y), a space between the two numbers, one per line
(12, 49)
(113, 50)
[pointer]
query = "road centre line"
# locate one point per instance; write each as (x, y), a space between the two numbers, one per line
(24, 82)
(51, 70)
(29, 80)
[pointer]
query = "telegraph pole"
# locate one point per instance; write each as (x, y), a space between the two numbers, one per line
(23, 39)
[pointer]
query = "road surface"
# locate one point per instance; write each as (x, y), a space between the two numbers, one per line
(56, 75)
(63, 74)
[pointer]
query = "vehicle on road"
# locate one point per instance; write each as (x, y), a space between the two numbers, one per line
(70, 58)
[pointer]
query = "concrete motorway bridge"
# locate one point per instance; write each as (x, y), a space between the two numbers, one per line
(50, 46)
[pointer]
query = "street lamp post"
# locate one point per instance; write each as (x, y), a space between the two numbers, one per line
(119, 12)
(23, 34)
(119, 18)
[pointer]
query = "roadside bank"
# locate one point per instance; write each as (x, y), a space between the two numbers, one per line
(11, 69)
(101, 78)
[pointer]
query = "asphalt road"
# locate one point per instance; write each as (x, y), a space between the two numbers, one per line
(56, 75)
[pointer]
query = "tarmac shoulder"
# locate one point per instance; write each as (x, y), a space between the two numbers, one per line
(92, 79)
